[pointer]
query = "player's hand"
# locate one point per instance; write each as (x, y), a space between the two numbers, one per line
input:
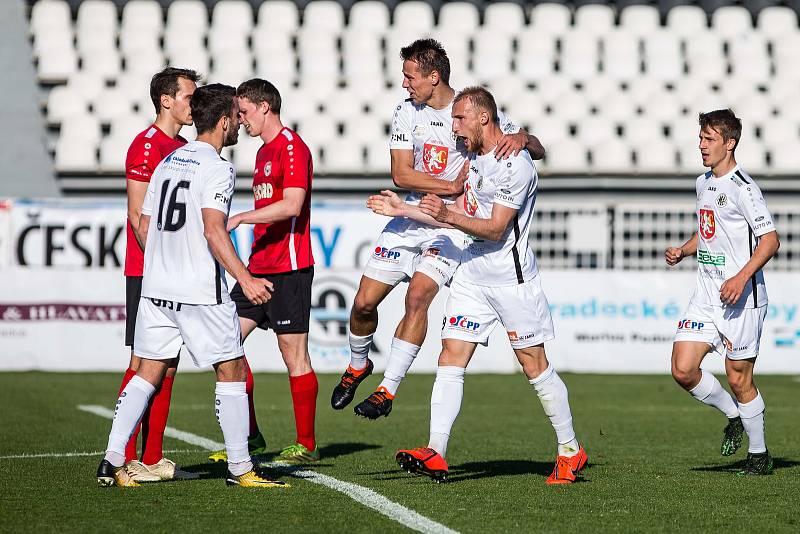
(233, 223)
(673, 255)
(257, 290)
(457, 185)
(433, 206)
(387, 203)
(510, 145)
(732, 290)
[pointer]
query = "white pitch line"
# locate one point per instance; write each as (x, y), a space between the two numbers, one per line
(73, 454)
(367, 497)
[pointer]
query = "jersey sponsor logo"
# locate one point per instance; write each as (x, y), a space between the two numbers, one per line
(219, 197)
(462, 322)
(721, 200)
(731, 348)
(710, 258)
(161, 303)
(711, 188)
(262, 191)
(760, 218)
(514, 336)
(501, 195)
(399, 138)
(434, 158)
(268, 168)
(440, 124)
(708, 224)
(688, 324)
(172, 158)
(762, 225)
(470, 201)
(386, 254)
(419, 130)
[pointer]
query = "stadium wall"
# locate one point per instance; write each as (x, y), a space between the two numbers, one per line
(62, 300)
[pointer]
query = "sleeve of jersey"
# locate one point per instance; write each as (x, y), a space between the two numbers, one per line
(401, 130)
(149, 198)
(218, 187)
(754, 208)
(506, 124)
(297, 166)
(512, 187)
(141, 162)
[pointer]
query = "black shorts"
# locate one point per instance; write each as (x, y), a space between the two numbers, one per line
(288, 311)
(133, 292)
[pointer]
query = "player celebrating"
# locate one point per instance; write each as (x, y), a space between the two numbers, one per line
(498, 281)
(735, 239)
(281, 253)
(170, 90)
(426, 158)
(184, 293)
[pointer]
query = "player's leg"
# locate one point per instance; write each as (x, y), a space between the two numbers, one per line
(446, 397)
(133, 292)
(372, 290)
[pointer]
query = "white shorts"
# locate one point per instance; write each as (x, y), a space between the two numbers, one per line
(731, 332)
(406, 246)
(210, 332)
(472, 312)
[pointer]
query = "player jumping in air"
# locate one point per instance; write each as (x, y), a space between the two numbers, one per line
(736, 237)
(497, 282)
(426, 158)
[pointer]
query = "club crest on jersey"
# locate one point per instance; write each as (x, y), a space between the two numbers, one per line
(722, 200)
(434, 158)
(420, 130)
(268, 168)
(708, 224)
(470, 201)
(479, 185)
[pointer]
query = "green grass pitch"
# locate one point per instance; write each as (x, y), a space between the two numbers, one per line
(653, 455)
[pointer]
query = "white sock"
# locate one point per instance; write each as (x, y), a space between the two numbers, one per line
(554, 397)
(710, 391)
(234, 420)
(401, 356)
(752, 414)
(448, 390)
(359, 350)
(131, 405)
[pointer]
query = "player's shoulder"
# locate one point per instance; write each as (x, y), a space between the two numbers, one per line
(144, 139)
(519, 163)
(292, 142)
(742, 179)
(407, 106)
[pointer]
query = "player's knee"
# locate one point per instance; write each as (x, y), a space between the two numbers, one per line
(740, 382)
(418, 300)
(364, 308)
(686, 377)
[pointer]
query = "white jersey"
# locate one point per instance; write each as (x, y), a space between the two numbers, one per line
(178, 264)
(429, 133)
(732, 215)
(509, 182)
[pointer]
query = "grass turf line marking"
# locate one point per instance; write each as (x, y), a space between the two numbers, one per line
(73, 454)
(367, 497)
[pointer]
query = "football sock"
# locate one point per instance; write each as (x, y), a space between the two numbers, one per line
(304, 398)
(130, 407)
(359, 350)
(448, 390)
(231, 409)
(401, 356)
(130, 448)
(710, 391)
(752, 414)
(157, 413)
(554, 397)
(249, 385)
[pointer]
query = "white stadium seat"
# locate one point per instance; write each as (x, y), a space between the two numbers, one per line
(621, 59)
(369, 16)
(593, 130)
(96, 16)
(785, 158)
(780, 131)
(191, 58)
(232, 16)
(142, 16)
(579, 55)
(565, 157)
(87, 84)
(64, 102)
(278, 16)
(111, 104)
(244, 153)
(378, 157)
(75, 154)
(344, 105)
(611, 157)
(642, 129)
(571, 106)
(777, 21)
(343, 156)
(413, 17)
(462, 17)
(550, 19)
(187, 16)
(361, 54)
(144, 61)
(594, 19)
(50, 15)
(323, 16)
(129, 126)
(367, 130)
(106, 62)
(503, 17)
(732, 21)
(686, 21)
(640, 20)
(750, 154)
(656, 156)
(491, 54)
(84, 128)
(536, 55)
(232, 69)
(318, 130)
(113, 150)
(525, 107)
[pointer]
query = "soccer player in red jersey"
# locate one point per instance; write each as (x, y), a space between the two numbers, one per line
(170, 90)
(281, 253)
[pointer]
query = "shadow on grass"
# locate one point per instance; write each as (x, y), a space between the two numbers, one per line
(777, 463)
(209, 469)
(486, 469)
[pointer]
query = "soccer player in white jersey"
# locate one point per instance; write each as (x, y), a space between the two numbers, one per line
(184, 299)
(497, 282)
(736, 237)
(426, 158)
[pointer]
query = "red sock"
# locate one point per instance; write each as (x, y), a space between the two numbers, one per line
(249, 384)
(130, 448)
(156, 422)
(304, 397)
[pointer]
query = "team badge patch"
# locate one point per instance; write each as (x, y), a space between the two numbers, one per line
(470, 201)
(434, 158)
(722, 200)
(708, 225)
(267, 168)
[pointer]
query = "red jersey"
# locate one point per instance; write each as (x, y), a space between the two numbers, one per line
(145, 153)
(285, 245)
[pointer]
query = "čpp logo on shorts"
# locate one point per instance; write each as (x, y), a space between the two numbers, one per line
(386, 254)
(462, 322)
(688, 324)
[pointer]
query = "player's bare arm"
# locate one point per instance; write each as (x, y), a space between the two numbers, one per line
(136, 191)
(491, 229)
(289, 206)
(257, 290)
(732, 289)
(406, 177)
(674, 255)
(140, 229)
(391, 205)
(512, 144)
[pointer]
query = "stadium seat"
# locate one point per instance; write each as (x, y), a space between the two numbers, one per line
(503, 17)
(536, 55)
(754, 107)
(552, 130)
(525, 107)
(343, 156)
(113, 150)
(105, 62)
(186, 16)
(177, 42)
(784, 54)
(146, 16)
(232, 69)
(145, 62)
(778, 131)
(83, 128)
(611, 157)
(75, 154)
(64, 102)
(643, 129)
(579, 55)
(655, 156)
(112, 103)
(344, 105)
(732, 21)
(318, 130)
(244, 153)
(87, 84)
(56, 64)
(751, 156)
(96, 16)
(50, 15)
(278, 16)
(413, 17)
(777, 21)
(748, 57)
(223, 42)
(571, 106)
(369, 16)
(139, 41)
(550, 19)
(640, 20)
(705, 57)
(192, 58)
(461, 17)
(324, 17)
(233, 17)
(136, 87)
(785, 158)
(491, 54)
(689, 160)
(594, 130)
(361, 54)
(378, 158)
(455, 43)
(368, 129)
(126, 127)
(594, 19)
(687, 21)
(567, 156)
(621, 59)
(617, 106)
